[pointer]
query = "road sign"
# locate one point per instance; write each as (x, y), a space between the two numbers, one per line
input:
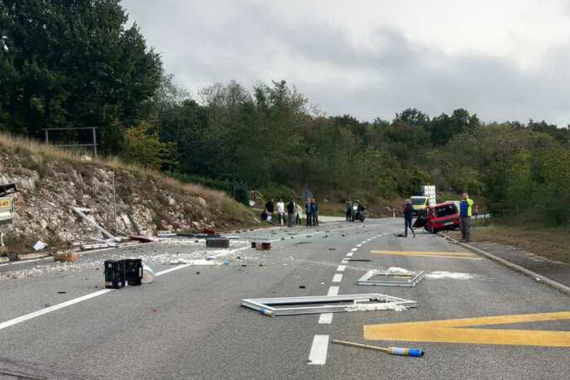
(307, 194)
(450, 255)
(466, 331)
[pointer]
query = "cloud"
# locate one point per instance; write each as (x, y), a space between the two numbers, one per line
(372, 71)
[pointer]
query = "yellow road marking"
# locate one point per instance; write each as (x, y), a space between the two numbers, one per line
(453, 331)
(453, 255)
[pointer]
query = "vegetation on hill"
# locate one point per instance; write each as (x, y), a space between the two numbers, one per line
(76, 64)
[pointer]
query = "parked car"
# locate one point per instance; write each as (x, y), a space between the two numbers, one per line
(443, 216)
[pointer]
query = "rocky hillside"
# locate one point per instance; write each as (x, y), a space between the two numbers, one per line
(51, 181)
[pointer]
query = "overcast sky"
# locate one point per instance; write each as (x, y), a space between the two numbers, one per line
(501, 59)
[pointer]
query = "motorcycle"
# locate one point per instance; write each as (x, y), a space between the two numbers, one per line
(358, 213)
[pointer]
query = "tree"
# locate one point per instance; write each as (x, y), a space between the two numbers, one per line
(143, 147)
(72, 63)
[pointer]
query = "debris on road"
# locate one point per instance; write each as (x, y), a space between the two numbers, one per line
(450, 275)
(71, 257)
(147, 274)
(323, 304)
(217, 242)
(414, 352)
(393, 276)
(40, 245)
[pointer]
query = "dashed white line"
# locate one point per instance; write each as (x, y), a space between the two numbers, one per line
(341, 268)
(358, 245)
(354, 250)
(318, 354)
(333, 291)
(337, 277)
(325, 318)
(349, 254)
(344, 261)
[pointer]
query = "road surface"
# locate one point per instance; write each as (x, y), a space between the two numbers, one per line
(59, 323)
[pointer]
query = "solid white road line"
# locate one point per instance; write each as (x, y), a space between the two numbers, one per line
(333, 291)
(318, 354)
(74, 301)
(337, 277)
(341, 268)
(47, 310)
(325, 318)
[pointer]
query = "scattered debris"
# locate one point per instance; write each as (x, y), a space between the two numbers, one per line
(332, 249)
(301, 286)
(323, 304)
(71, 257)
(40, 245)
(363, 260)
(450, 275)
(147, 274)
(144, 239)
(376, 307)
(415, 352)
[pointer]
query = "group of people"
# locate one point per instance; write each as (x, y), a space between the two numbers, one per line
(465, 212)
(291, 213)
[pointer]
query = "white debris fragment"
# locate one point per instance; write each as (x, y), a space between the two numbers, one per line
(375, 307)
(395, 270)
(194, 262)
(450, 275)
(40, 245)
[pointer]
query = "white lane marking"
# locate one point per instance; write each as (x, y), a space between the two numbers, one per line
(354, 250)
(344, 261)
(349, 254)
(333, 291)
(318, 354)
(74, 301)
(47, 310)
(358, 245)
(340, 268)
(325, 318)
(337, 277)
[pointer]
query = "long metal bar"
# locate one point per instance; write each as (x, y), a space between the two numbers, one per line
(79, 212)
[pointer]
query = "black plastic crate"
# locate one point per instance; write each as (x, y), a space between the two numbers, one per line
(114, 274)
(217, 242)
(133, 271)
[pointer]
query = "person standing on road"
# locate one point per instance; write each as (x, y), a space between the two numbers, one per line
(408, 218)
(348, 210)
(281, 211)
(315, 212)
(465, 211)
(270, 207)
(308, 213)
(298, 214)
(291, 213)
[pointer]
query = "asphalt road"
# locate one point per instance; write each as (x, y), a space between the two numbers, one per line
(188, 324)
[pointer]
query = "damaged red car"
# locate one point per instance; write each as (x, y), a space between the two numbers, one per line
(443, 216)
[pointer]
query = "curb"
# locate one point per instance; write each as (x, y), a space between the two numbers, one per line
(537, 277)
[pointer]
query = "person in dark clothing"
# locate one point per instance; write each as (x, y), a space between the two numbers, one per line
(291, 213)
(315, 212)
(408, 217)
(348, 210)
(270, 207)
(309, 213)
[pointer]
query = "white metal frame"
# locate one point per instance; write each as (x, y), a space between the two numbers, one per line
(319, 304)
(391, 279)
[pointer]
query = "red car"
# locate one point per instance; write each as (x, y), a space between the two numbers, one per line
(443, 216)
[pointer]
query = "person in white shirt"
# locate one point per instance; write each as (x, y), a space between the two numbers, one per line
(281, 211)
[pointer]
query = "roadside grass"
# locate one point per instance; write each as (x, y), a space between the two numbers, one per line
(549, 242)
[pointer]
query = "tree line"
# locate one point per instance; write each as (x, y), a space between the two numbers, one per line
(75, 63)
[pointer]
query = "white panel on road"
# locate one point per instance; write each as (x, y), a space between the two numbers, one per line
(319, 350)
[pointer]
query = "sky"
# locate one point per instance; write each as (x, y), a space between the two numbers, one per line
(503, 60)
